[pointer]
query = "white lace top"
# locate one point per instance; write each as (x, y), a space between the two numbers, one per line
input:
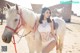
(45, 30)
(44, 27)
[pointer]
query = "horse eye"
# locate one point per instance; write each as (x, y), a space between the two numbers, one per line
(16, 20)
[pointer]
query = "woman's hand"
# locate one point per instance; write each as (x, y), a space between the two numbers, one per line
(33, 30)
(54, 35)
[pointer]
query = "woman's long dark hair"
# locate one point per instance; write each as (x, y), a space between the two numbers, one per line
(42, 16)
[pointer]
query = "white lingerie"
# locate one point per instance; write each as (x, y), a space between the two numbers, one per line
(45, 30)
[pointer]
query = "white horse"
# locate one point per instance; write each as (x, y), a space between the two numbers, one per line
(19, 17)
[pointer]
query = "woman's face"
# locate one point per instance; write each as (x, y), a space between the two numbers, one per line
(47, 13)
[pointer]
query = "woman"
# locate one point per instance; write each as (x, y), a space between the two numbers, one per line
(46, 29)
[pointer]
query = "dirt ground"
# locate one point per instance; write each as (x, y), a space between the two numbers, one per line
(71, 39)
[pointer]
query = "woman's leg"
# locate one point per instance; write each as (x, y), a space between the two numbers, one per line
(49, 47)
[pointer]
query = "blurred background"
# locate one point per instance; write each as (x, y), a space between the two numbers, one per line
(68, 9)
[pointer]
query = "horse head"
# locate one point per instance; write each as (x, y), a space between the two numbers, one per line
(17, 17)
(12, 17)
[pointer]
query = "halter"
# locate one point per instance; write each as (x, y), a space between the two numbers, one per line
(19, 25)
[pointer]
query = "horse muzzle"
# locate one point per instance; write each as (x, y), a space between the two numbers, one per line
(6, 39)
(7, 36)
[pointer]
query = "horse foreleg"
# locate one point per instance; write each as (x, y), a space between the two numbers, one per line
(61, 47)
(38, 42)
(31, 45)
(38, 46)
(31, 48)
(59, 44)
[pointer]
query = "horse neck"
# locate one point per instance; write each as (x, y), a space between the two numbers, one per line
(29, 17)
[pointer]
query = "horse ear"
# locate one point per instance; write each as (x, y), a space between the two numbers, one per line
(8, 6)
(17, 7)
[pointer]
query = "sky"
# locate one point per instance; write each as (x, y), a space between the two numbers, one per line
(27, 3)
(46, 3)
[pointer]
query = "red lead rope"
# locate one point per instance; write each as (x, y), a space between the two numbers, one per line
(20, 23)
(15, 31)
(14, 44)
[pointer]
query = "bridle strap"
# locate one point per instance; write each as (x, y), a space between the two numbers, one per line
(15, 30)
(10, 28)
(20, 23)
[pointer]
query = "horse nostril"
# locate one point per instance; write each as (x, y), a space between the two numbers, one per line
(4, 38)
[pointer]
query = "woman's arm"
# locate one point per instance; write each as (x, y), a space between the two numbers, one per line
(52, 28)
